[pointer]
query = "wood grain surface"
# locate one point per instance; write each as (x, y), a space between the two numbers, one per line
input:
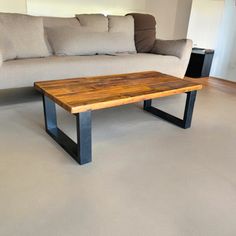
(93, 93)
(222, 85)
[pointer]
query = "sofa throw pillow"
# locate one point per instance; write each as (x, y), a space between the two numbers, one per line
(49, 21)
(145, 31)
(7, 49)
(123, 25)
(26, 33)
(71, 41)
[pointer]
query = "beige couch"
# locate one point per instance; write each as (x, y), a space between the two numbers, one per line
(46, 48)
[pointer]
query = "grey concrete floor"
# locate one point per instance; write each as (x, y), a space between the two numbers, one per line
(147, 177)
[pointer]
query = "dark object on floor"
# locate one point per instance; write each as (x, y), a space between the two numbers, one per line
(200, 63)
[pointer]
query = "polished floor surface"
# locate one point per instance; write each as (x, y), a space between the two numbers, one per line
(147, 178)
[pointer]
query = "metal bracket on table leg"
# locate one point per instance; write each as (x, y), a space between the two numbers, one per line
(80, 151)
(184, 123)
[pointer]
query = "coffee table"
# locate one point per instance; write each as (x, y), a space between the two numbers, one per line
(81, 96)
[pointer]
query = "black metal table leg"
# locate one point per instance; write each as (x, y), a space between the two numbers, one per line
(184, 123)
(84, 137)
(80, 151)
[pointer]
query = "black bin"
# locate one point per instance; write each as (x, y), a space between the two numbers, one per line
(200, 63)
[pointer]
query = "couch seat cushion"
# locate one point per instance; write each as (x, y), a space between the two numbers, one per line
(24, 72)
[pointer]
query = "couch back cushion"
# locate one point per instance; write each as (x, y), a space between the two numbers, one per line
(57, 22)
(95, 34)
(121, 24)
(69, 41)
(93, 22)
(7, 49)
(125, 26)
(60, 21)
(145, 32)
(26, 34)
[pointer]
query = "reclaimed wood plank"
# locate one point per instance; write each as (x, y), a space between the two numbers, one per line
(92, 93)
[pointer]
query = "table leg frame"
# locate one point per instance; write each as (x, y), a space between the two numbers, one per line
(184, 123)
(80, 151)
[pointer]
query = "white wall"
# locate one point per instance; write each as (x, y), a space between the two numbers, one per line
(17, 6)
(165, 16)
(224, 64)
(72, 7)
(212, 25)
(172, 17)
(205, 21)
(182, 18)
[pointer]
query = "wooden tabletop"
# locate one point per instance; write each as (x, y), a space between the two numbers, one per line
(93, 93)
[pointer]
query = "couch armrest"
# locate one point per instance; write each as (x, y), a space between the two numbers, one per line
(181, 49)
